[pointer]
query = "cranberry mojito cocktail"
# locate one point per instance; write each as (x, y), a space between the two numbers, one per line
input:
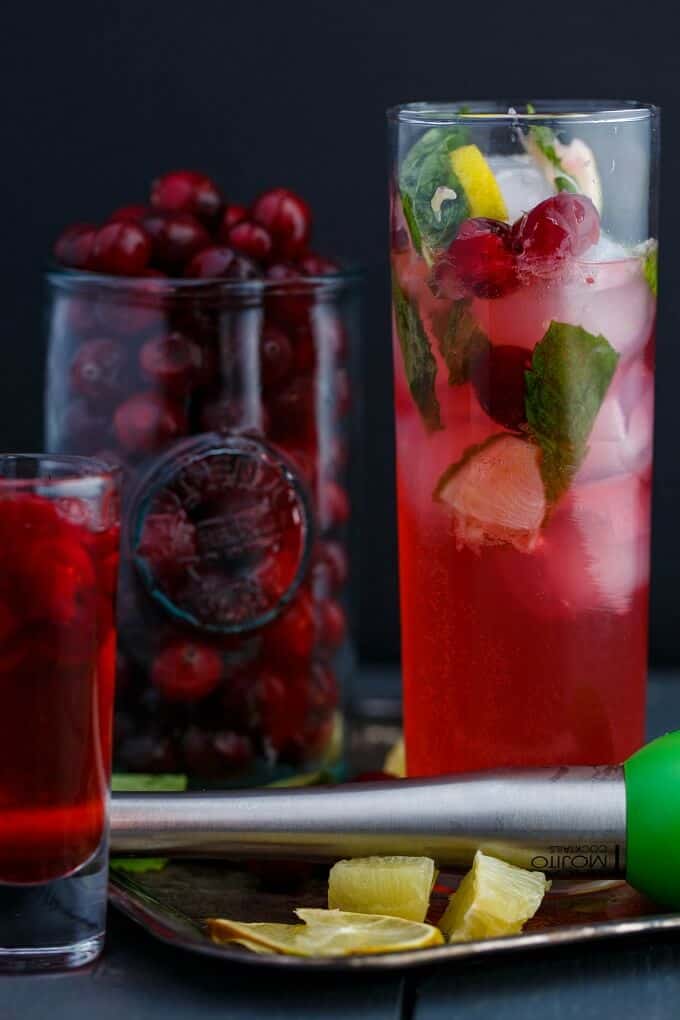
(524, 295)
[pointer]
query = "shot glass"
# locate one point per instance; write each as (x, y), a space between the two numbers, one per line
(59, 538)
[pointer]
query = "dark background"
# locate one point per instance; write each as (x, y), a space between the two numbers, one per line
(100, 96)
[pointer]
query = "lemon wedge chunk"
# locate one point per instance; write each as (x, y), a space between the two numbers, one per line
(481, 187)
(493, 899)
(395, 760)
(393, 886)
(328, 933)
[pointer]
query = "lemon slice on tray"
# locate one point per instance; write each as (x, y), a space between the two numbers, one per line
(493, 899)
(396, 886)
(328, 933)
(395, 760)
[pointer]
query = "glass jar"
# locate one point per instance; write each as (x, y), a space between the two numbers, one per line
(226, 405)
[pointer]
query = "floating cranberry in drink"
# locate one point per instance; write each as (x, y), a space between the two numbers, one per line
(209, 363)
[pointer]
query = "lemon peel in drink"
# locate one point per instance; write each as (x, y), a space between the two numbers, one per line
(479, 183)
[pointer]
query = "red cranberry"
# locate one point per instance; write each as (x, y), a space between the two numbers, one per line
(176, 237)
(292, 635)
(84, 429)
(276, 356)
(250, 239)
(121, 248)
(226, 414)
(282, 703)
(498, 378)
(199, 754)
(323, 688)
(168, 543)
(129, 214)
(232, 215)
(334, 505)
(561, 226)
(481, 257)
(97, 368)
(317, 265)
(234, 750)
(294, 408)
(80, 317)
(74, 246)
(333, 624)
(288, 297)
(147, 421)
(186, 671)
(186, 191)
(238, 697)
(330, 564)
(303, 461)
(377, 776)
(221, 263)
(288, 219)
(172, 362)
(148, 753)
(303, 338)
(136, 309)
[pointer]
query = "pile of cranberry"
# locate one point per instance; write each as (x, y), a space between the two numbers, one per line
(153, 341)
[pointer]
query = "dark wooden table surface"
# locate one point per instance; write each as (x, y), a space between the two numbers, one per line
(140, 979)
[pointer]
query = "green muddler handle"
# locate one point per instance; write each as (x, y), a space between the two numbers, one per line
(652, 777)
(600, 821)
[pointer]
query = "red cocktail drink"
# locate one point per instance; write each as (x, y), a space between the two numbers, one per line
(524, 303)
(59, 552)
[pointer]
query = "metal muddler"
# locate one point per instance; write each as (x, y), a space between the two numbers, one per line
(594, 822)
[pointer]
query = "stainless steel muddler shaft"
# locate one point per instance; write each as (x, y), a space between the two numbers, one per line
(563, 821)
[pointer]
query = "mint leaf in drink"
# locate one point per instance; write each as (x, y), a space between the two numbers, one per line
(570, 373)
(434, 201)
(409, 216)
(461, 342)
(547, 143)
(650, 267)
(420, 366)
(565, 184)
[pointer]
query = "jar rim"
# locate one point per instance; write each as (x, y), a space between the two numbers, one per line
(66, 278)
(580, 111)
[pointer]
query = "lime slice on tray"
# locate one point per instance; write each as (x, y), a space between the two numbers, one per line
(328, 933)
(493, 899)
(396, 886)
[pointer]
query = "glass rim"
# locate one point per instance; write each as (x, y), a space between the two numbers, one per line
(66, 278)
(580, 111)
(78, 469)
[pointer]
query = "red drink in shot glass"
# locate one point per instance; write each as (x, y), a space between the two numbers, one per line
(59, 537)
